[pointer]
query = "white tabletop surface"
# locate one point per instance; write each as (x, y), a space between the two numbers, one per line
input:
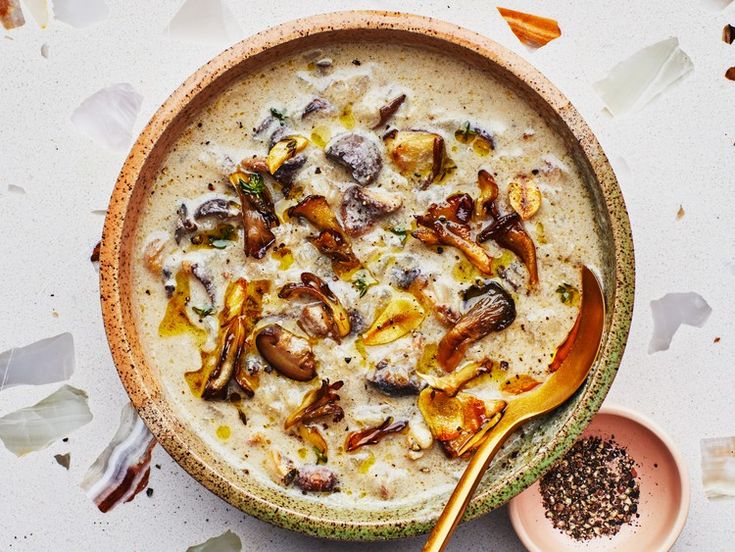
(677, 151)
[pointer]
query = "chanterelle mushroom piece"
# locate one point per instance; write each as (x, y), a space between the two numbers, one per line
(362, 207)
(331, 241)
(286, 352)
(446, 223)
(493, 312)
(358, 154)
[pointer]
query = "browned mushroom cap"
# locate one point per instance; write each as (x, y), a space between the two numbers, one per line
(316, 404)
(313, 286)
(286, 352)
(316, 479)
(358, 154)
(258, 214)
(389, 109)
(395, 380)
(493, 312)
(362, 207)
(372, 435)
(316, 320)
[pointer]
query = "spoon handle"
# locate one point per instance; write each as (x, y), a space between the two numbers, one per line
(455, 508)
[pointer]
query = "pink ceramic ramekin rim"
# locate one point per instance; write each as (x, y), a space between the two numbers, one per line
(516, 514)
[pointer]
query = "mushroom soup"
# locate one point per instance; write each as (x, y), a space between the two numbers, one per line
(351, 261)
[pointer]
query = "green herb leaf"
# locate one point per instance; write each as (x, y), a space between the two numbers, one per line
(219, 244)
(280, 115)
(255, 186)
(203, 312)
(567, 293)
(361, 285)
(400, 232)
(321, 458)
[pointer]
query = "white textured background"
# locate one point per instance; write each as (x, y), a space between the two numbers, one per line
(678, 150)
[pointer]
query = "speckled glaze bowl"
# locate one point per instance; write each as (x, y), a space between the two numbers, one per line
(524, 459)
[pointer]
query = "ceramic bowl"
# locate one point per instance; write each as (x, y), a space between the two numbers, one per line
(664, 485)
(532, 454)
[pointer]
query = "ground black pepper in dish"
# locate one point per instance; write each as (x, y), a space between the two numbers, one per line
(593, 491)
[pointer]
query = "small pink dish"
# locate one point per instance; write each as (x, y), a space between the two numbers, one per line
(664, 485)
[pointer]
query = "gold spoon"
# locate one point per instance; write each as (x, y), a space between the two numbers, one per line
(552, 393)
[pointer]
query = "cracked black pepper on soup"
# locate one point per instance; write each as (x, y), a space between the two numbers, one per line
(593, 491)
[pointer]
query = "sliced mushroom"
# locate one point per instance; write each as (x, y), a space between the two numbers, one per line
(313, 286)
(286, 173)
(402, 315)
(395, 380)
(507, 231)
(419, 155)
(286, 352)
(493, 312)
(219, 208)
(286, 148)
(488, 193)
(258, 214)
(358, 154)
(184, 224)
(317, 211)
(316, 105)
(316, 320)
(446, 223)
(456, 208)
(452, 383)
(316, 479)
(219, 365)
(335, 246)
(204, 278)
(482, 141)
(373, 435)
(362, 207)
(388, 110)
(332, 241)
(317, 403)
(456, 421)
(455, 235)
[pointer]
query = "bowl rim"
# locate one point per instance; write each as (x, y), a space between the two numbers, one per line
(516, 514)
(112, 299)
